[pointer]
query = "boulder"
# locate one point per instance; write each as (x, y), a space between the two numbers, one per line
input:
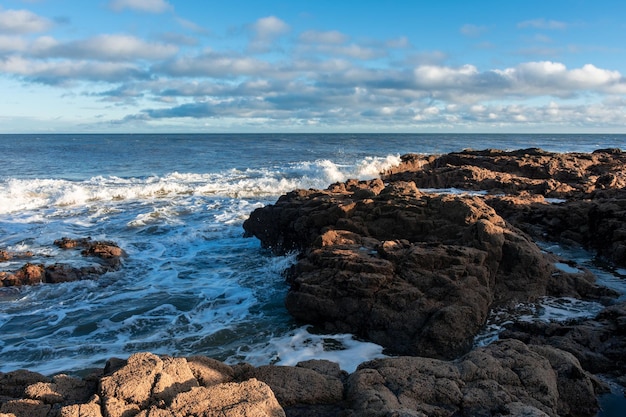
(505, 378)
(108, 257)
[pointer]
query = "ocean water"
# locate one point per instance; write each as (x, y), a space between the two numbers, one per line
(191, 284)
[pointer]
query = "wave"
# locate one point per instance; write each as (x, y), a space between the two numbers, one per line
(32, 194)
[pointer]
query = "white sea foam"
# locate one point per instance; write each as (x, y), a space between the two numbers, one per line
(301, 345)
(548, 309)
(19, 195)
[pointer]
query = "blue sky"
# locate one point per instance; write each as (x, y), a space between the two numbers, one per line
(312, 66)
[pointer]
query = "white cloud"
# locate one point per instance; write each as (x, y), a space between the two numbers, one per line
(268, 28)
(107, 47)
(148, 6)
(12, 43)
(265, 32)
(61, 72)
(543, 24)
(22, 21)
(213, 64)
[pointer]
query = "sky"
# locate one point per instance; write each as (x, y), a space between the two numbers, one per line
(126, 66)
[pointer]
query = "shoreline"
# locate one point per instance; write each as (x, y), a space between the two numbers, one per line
(331, 227)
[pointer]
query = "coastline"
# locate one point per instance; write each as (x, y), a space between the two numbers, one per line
(587, 186)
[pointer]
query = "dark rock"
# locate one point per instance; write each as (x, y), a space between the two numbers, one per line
(599, 344)
(505, 378)
(414, 272)
(108, 258)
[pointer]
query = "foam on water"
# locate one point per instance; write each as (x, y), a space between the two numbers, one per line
(19, 195)
(301, 345)
(191, 283)
(555, 309)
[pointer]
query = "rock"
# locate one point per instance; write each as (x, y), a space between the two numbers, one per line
(62, 389)
(594, 185)
(209, 371)
(250, 398)
(108, 255)
(414, 272)
(299, 385)
(506, 378)
(24, 408)
(13, 384)
(598, 224)
(564, 175)
(145, 379)
(599, 344)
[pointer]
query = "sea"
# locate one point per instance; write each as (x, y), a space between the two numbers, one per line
(191, 283)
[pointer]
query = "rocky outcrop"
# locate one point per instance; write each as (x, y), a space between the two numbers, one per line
(591, 185)
(597, 224)
(599, 344)
(144, 385)
(557, 175)
(106, 256)
(506, 378)
(412, 271)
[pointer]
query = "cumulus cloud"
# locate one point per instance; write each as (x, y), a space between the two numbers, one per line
(62, 72)
(324, 76)
(22, 21)
(12, 43)
(106, 47)
(147, 6)
(265, 31)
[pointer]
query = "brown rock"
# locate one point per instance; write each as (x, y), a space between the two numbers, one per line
(209, 371)
(413, 272)
(62, 389)
(599, 344)
(250, 398)
(107, 254)
(24, 408)
(298, 385)
(145, 379)
(505, 378)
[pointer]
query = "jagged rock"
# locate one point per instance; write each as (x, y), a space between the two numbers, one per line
(108, 255)
(599, 343)
(597, 224)
(506, 378)
(414, 272)
(561, 175)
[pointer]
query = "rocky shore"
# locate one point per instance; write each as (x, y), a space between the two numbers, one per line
(417, 271)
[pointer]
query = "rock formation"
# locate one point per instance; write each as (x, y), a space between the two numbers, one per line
(107, 257)
(415, 272)
(506, 378)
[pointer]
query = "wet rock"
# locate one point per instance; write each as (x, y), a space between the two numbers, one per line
(108, 258)
(505, 378)
(599, 344)
(561, 175)
(414, 272)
